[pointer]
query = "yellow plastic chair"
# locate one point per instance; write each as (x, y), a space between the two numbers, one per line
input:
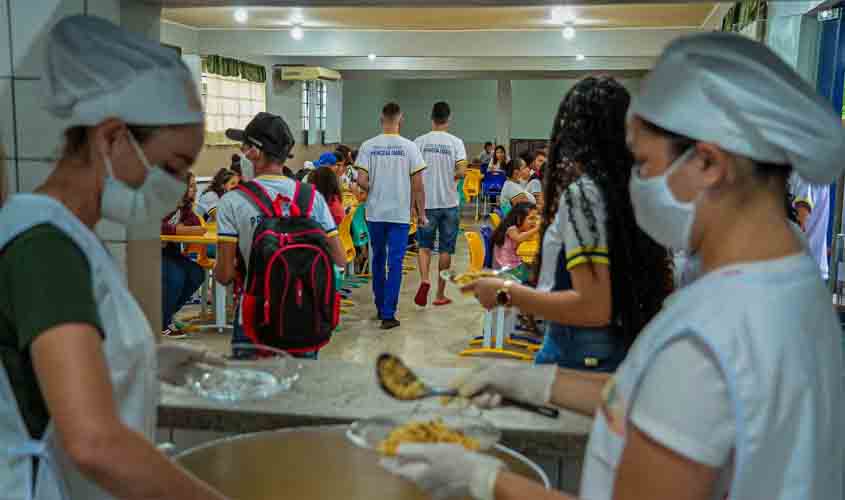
(495, 220)
(472, 187)
(476, 251)
(345, 234)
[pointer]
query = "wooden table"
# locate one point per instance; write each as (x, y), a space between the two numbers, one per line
(208, 239)
(310, 463)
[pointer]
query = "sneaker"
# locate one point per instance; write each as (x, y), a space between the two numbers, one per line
(422, 294)
(172, 332)
(389, 324)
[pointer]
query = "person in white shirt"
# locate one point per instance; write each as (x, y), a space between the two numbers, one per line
(499, 160)
(224, 181)
(734, 389)
(446, 158)
(513, 191)
(268, 141)
(536, 162)
(812, 204)
(388, 167)
(487, 154)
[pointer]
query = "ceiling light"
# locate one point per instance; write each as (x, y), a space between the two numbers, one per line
(568, 33)
(562, 15)
(371, 57)
(296, 32)
(580, 57)
(241, 15)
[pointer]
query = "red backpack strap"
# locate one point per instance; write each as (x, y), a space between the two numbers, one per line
(304, 199)
(259, 197)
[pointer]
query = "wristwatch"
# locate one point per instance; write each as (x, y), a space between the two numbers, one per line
(503, 295)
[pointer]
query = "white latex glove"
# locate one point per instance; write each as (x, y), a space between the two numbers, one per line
(488, 385)
(174, 361)
(446, 470)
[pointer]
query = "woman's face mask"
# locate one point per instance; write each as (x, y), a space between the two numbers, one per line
(658, 212)
(156, 197)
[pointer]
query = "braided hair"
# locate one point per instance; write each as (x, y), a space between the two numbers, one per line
(588, 138)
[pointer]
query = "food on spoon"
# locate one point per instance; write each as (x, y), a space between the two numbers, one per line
(398, 379)
(433, 431)
(468, 277)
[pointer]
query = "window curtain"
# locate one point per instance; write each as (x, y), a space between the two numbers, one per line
(226, 66)
(743, 14)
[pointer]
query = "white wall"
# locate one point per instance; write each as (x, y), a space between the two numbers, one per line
(180, 36)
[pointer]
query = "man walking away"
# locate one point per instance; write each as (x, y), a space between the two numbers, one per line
(388, 165)
(446, 158)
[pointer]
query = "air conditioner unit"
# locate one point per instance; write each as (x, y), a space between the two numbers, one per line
(301, 73)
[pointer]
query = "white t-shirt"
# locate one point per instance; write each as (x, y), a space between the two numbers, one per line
(237, 216)
(561, 233)
(534, 186)
(817, 197)
(442, 153)
(390, 161)
(496, 166)
(511, 190)
(207, 204)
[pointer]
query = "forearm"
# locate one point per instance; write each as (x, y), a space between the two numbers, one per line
(567, 307)
(128, 466)
(521, 236)
(419, 202)
(579, 391)
(510, 486)
(338, 253)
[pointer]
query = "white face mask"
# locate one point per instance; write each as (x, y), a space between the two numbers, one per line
(658, 213)
(247, 167)
(157, 196)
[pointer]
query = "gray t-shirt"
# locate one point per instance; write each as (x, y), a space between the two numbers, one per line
(207, 204)
(442, 153)
(511, 190)
(237, 216)
(390, 161)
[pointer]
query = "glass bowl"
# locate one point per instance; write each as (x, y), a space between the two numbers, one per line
(371, 432)
(262, 373)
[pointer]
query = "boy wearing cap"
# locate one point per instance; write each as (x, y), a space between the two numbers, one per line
(268, 141)
(388, 167)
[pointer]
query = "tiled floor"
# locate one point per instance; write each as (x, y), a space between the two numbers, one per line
(430, 336)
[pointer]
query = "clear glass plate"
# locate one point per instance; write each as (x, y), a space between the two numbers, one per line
(267, 373)
(369, 433)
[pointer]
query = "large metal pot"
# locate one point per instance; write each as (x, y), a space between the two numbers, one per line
(309, 463)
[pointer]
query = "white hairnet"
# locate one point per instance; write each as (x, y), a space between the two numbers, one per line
(735, 92)
(96, 70)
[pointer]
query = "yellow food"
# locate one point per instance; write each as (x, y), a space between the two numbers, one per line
(399, 380)
(466, 278)
(433, 431)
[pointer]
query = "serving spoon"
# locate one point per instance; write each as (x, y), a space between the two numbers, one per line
(407, 386)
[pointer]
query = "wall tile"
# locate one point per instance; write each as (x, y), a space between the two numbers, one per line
(31, 20)
(111, 231)
(7, 132)
(39, 133)
(118, 251)
(5, 50)
(33, 173)
(7, 178)
(109, 9)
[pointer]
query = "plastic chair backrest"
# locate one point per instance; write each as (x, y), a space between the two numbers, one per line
(360, 233)
(345, 235)
(472, 185)
(495, 220)
(493, 182)
(487, 237)
(476, 251)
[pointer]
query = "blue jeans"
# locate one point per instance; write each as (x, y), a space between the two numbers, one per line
(443, 222)
(581, 348)
(180, 279)
(389, 241)
(239, 337)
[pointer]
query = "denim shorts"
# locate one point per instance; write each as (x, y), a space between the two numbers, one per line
(581, 348)
(443, 225)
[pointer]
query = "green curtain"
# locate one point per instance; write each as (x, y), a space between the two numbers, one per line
(226, 66)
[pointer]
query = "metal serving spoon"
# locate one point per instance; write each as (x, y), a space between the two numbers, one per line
(407, 386)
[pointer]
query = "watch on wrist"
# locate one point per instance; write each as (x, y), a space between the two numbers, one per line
(503, 295)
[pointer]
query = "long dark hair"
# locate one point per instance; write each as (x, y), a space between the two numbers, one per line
(326, 183)
(588, 138)
(218, 183)
(493, 158)
(515, 217)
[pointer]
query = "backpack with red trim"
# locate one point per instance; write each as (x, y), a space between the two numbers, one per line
(289, 300)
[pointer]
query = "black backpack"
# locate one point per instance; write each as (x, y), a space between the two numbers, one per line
(289, 301)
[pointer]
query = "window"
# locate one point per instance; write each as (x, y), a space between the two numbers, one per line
(315, 91)
(229, 102)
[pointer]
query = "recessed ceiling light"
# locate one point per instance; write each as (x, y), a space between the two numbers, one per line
(568, 33)
(562, 15)
(297, 33)
(241, 15)
(371, 57)
(580, 57)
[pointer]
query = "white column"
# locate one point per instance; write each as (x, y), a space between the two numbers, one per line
(504, 115)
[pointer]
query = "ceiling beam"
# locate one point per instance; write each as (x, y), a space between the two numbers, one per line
(405, 3)
(504, 65)
(344, 43)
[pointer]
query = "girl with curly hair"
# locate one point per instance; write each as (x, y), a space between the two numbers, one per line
(601, 279)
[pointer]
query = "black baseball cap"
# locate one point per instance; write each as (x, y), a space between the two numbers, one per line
(267, 132)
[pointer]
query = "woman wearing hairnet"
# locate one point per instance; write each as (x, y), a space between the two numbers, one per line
(734, 389)
(79, 373)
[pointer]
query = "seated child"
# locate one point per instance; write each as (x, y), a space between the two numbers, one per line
(520, 225)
